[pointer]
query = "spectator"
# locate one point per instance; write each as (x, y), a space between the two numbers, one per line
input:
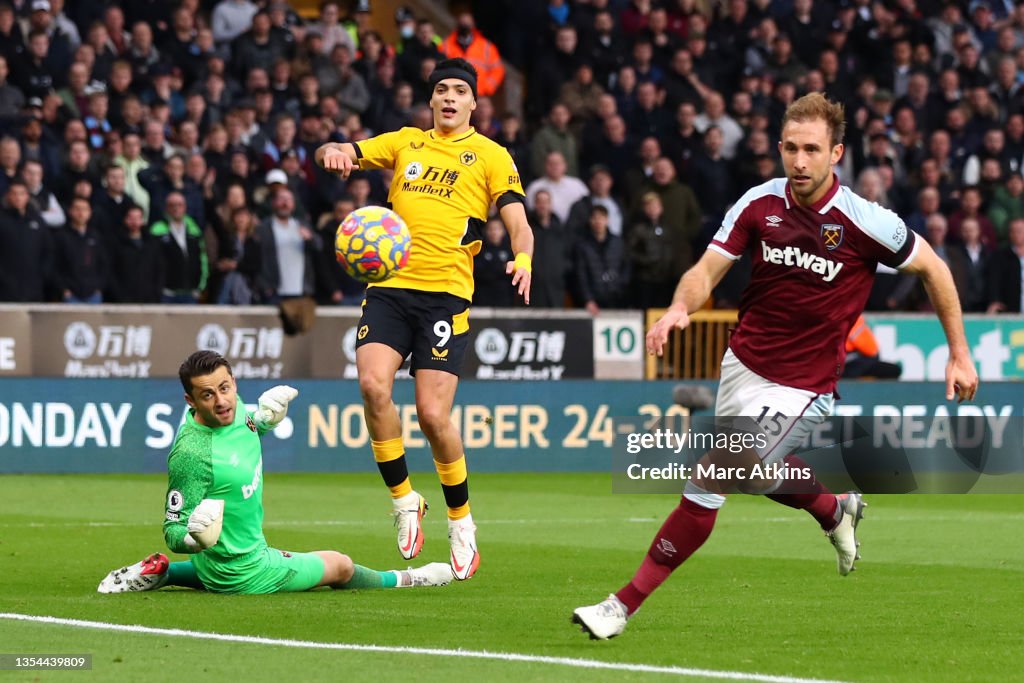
(511, 137)
(38, 74)
(182, 251)
(1008, 272)
(231, 18)
(134, 164)
(10, 162)
(97, 125)
(601, 183)
(257, 48)
(155, 148)
(682, 212)
(111, 204)
(564, 189)
(489, 267)
(79, 167)
(648, 118)
(143, 54)
(782, 64)
(340, 79)
(977, 260)
(552, 254)
(862, 357)
(715, 115)
(40, 196)
(682, 85)
(468, 43)
(1007, 204)
(651, 256)
(11, 98)
(290, 253)
(581, 94)
(423, 45)
(614, 150)
(113, 21)
(970, 206)
(870, 187)
(80, 260)
(160, 183)
(36, 146)
(927, 204)
(624, 90)
(398, 112)
(555, 136)
(713, 180)
(937, 233)
(600, 266)
(639, 174)
(552, 70)
(993, 146)
(73, 95)
(239, 261)
(484, 119)
(606, 50)
(26, 261)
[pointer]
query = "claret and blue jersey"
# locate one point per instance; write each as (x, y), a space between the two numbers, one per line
(813, 268)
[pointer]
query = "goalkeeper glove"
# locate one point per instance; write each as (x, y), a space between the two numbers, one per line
(273, 405)
(205, 522)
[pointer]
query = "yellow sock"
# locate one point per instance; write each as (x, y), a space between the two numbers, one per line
(390, 457)
(455, 485)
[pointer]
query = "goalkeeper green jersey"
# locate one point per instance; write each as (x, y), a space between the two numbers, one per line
(223, 463)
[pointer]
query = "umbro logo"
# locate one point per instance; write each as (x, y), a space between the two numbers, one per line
(666, 547)
(772, 221)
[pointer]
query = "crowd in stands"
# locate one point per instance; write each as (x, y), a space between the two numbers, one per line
(163, 152)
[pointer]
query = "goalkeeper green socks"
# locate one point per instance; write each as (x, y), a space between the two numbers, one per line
(370, 578)
(183, 574)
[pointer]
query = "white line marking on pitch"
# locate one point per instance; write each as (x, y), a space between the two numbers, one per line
(425, 651)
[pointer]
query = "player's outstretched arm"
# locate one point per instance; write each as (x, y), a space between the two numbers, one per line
(339, 157)
(513, 214)
(693, 290)
(961, 376)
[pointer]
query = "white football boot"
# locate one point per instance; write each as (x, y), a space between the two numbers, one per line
(433, 574)
(844, 536)
(147, 575)
(408, 512)
(604, 620)
(464, 556)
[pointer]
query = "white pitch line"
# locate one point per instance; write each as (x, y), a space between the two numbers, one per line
(321, 522)
(423, 651)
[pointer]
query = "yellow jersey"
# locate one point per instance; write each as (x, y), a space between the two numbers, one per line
(443, 188)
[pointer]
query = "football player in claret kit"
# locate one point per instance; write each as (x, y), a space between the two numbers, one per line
(445, 181)
(815, 246)
(214, 508)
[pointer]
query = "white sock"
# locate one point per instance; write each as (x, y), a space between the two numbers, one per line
(468, 519)
(407, 501)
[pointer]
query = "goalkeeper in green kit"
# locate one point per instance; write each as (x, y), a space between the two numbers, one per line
(214, 508)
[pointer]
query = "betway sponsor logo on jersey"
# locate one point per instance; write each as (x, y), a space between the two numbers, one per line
(795, 257)
(249, 489)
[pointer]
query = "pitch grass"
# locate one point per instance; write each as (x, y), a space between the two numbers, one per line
(938, 597)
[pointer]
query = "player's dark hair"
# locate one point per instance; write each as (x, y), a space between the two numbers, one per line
(199, 364)
(814, 106)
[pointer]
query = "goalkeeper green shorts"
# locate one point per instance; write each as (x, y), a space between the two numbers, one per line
(268, 570)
